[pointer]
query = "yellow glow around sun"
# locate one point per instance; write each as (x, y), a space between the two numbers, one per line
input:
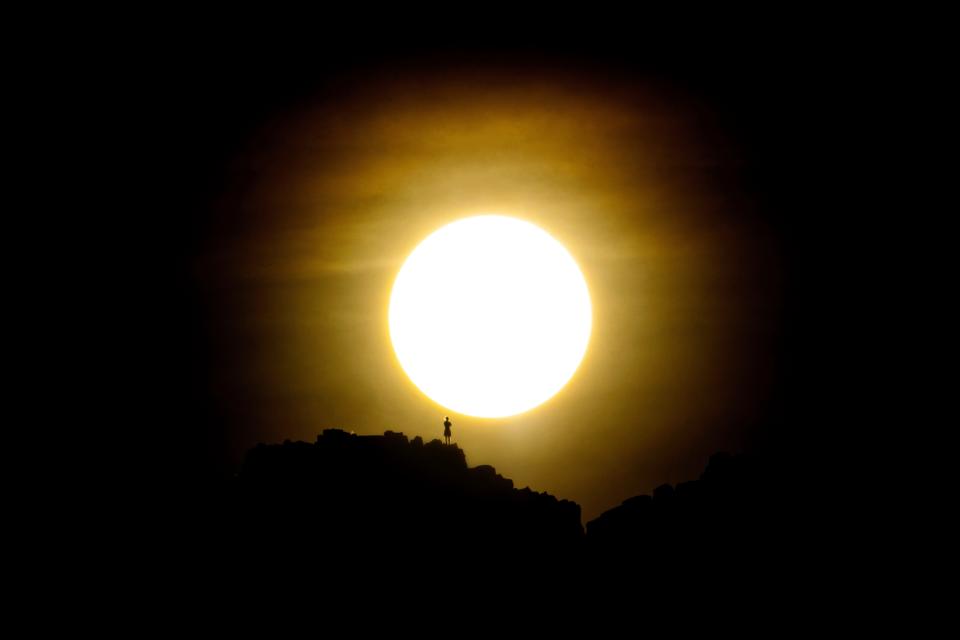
(490, 316)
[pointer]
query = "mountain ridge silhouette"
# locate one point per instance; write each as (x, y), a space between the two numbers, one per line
(350, 491)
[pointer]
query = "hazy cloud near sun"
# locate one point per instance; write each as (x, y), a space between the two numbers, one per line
(344, 183)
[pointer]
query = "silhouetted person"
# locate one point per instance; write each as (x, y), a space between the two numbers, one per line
(446, 429)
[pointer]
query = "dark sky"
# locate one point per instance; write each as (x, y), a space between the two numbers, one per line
(273, 186)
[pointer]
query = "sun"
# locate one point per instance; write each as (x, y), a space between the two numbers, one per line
(490, 316)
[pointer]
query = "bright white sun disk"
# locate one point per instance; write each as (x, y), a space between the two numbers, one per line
(490, 316)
